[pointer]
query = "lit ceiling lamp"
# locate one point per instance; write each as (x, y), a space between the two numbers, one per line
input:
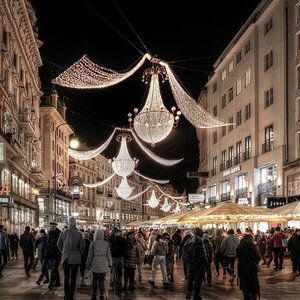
(124, 190)
(153, 201)
(154, 122)
(166, 206)
(123, 165)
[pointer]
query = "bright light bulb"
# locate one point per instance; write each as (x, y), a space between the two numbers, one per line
(74, 143)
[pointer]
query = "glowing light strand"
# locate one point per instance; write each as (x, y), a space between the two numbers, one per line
(137, 195)
(85, 74)
(99, 183)
(175, 199)
(151, 179)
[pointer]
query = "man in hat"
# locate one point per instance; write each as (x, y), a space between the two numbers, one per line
(53, 255)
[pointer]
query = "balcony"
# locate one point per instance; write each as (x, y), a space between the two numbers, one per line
(267, 146)
(223, 166)
(267, 187)
(240, 193)
(225, 196)
(214, 171)
(212, 199)
(247, 155)
(238, 159)
(26, 124)
(229, 163)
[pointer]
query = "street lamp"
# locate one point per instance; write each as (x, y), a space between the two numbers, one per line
(73, 144)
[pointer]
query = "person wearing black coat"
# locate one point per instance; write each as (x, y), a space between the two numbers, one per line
(248, 259)
(294, 248)
(187, 235)
(40, 244)
(84, 255)
(27, 245)
(177, 242)
(14, 242)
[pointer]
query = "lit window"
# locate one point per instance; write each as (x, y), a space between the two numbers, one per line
(2, 151)
(224, 74)
(230, 67)
(238, 86)
(248, 77)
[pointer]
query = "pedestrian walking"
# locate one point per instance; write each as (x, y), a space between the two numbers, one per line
(152, 238)
(193, 254)
(14, 245)
(118, 247)
(187, 234)
(142, 247)
(209, 253)
(218, 256)
(170, 256)
(36, 258)
(71, 245)
(278, 248)
(177, 241)
(27, 245)
(131, 260)
(261, 244)
(40, 244)
(87, 242)
(248, 259)
(3, 250)
(228, 249)
(294, 248)
(270, 247)
(99, 260)
(159, 251)
(53, 255)
(8, 248)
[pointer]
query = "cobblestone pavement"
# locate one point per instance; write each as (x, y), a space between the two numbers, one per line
(274, 285)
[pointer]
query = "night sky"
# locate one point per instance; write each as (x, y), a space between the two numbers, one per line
(189, 35)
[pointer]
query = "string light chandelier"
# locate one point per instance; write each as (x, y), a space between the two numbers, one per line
(153, 201)
(124, 190)
(154, 122)
(177, 208)
(166, 206)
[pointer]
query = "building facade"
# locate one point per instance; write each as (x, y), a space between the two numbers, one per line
(248, 89)
(20, 145)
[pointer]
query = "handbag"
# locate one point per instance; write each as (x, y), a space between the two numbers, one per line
(87, 277)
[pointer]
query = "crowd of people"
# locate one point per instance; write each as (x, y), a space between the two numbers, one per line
(122, 254)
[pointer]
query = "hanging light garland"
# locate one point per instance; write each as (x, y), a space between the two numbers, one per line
(154, 122)
(96, 184)
(151, 179)
(153, 201)
(137, 195)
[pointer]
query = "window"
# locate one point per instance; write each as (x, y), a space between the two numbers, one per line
(230, 155)
(247, 47)
(298, 44)
(247, 111)
(298, 77)
(223, 100)
(248, 77)
(247, 147)
(238, 57)
(215, 137)
(230, 94)
(224, 157)
(269, 142)
(224, 74)
(230, 127)
(238, 152)
(297, 117)
(5, 38)
(268, 26)
(214, 87)
(225, 190)
(215, 164)
(238, 86)
(297, 10)
(2, 151)
(223, 130)
(215, 110)
(268, 97)
(238, 118)
(268, 60)
(212, 193)
(230, 66)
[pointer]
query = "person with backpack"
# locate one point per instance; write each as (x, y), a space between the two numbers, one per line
(218, 257)
(40, 244)
(248, 259)
(177, 241)
(194, 255)
(27, 244)
(278, 248)
(170, 256)
(3, 249)
(228, 249)
(159, 251)
(209, 251)
(142, 246)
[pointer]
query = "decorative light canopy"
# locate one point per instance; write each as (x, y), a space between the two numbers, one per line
(124, 190)
(166, 206)
(153, 201)
(154, 122)
(123, 165)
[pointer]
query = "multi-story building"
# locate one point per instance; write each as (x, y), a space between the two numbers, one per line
(253, 87)
(53, 123)
(20, 145)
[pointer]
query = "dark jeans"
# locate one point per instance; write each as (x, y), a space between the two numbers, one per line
(27, 264)
(218, 261)
(83, 266)
(229, 261)
(116, 272)
(296, 263)
(98, 277)
(278, 254)
(250, 296)
(194, 278)
(207, 272)
(14, 253)
(3, 257)
(70, 272)
(44, 270)
(129, 275)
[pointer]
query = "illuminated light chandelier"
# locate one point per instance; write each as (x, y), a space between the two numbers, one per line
(153, 201)
(123, 165)
(177, 208)
(124, 190)
(166, 206)
(154, 122)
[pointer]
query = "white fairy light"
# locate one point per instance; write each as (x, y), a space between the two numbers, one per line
(177, 208)
(151, 179)
(153, 201)
(124, 190)
(193, 112)
(123, 165)
(137, 195)
(166, 206)
(85, 155)
(96, 184)
(154, 122)
(85, 74)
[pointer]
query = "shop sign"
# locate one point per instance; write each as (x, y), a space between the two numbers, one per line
(232, 171)
(5, 189)
(4, 200)
(106, 217)
(196, 198)
(243, 201)
(75, 181)
(273, 202)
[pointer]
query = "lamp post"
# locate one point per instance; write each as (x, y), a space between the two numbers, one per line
(73, 144)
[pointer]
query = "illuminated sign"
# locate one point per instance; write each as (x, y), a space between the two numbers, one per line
(196, 198)
(243, 201)
(232, 171)
(5, 189)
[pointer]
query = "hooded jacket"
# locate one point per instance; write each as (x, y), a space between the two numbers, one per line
(99, 258)
(159, 248)
(71, 244)
(229, 245)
